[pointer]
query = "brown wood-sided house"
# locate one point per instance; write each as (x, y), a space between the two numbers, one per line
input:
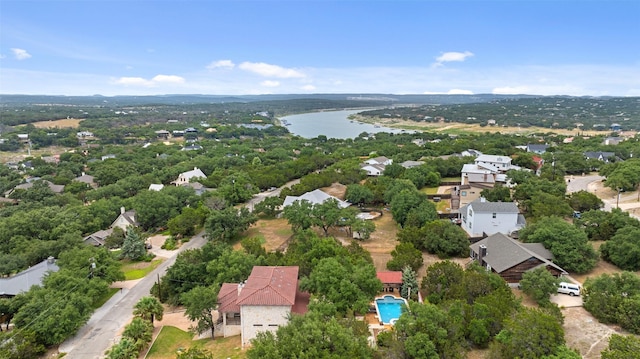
(510, 258)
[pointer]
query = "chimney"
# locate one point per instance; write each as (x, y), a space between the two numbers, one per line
(83, 174)
(195, 168)
(51, 260)
(482, 253)
(122, 210)
(483, 200)
(240, 286)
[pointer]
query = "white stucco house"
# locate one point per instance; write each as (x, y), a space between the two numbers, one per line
(186, 177)
(125, 220)
(482, 216)
(263, 302)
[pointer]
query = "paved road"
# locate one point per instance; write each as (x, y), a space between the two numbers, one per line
(101, 331)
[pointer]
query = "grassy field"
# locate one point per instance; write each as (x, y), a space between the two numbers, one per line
(171, 339)
(137, 270)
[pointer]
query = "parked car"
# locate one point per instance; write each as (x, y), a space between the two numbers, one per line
(569, 288)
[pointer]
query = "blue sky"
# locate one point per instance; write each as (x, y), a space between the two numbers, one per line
(147, 47)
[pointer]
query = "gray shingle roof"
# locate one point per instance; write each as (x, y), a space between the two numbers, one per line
(483, 206)
(504, 252)
(24, 280)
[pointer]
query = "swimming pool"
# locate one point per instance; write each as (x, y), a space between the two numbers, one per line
(389, 308)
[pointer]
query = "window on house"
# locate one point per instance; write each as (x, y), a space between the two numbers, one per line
(493, 215)
(464, 193)
(273, 325)
(470, 212)
(257, 325)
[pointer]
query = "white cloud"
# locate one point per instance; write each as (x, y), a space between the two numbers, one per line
(268, 70)
(168, 79)
(20, 54)
(308, 88)
(224, 64)
(459, 92)
(452, 56)
(155, 81)
(269, 83)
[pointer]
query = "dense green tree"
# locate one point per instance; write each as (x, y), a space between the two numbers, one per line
(409, 288)
(405, 254)
(539, 283)
(359, 194)
(310, 336)
(20, 344)
(224, 225)
(614, 299)
(148, 308)
(155, 208)
(230, 266)
(498, 193)
(602, 225)
(529, 334)
(444, 238)
(443, 281)
(133, 247)
(326, 215)
(298, 215)
(125, 349)
(140, 331)
(270, 206)
(568, 244)
(622, 347)
(583, 201)
(623, 249)
(200, 303)
(237, 188)
(347, 286)
(363, 228)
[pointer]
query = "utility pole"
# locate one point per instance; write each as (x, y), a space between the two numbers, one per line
(618, 199)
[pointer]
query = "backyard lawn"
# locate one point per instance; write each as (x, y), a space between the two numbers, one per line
(171, 339)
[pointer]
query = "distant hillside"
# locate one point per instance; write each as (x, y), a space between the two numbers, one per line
(551, 112)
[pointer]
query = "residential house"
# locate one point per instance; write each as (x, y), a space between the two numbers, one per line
(163, 134)
(471, 191)
(483, 217)
(156, 187)
(263, 302)
(88, 179)
(23, 137)
(98, 238)
(390, 280)
(314, 197)
(411, 164)
(612, 141)
(23, 281)
(537, 148)
(125, 220)
(510, 258)
(55, 188)
(192, 147)
(186, 177)
(375, 166)
(470, 153)
(198, 187)
(600, 156)
(419, 142)
(85, 135)
(107, 157)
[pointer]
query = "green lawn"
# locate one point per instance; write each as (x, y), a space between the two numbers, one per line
(137, 270)
(100, 301)
(429, 190)
(171, 339)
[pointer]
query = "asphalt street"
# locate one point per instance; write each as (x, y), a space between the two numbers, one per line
(102, 329)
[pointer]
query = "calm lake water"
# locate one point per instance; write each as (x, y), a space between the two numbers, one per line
(333, 124)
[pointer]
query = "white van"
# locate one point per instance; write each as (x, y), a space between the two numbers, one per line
(569, 288)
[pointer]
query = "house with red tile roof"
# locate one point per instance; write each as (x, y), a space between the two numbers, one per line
(390, 280)
(262, 303)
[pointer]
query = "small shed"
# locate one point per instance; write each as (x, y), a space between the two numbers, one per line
(390, 280)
